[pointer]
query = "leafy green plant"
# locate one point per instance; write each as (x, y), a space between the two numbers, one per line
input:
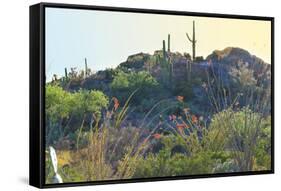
(244, 133)
(61, 105)
(124, 84)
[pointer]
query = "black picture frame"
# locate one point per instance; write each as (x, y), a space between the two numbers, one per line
(37, 93)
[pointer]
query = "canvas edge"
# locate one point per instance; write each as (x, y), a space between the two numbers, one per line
(35, 98)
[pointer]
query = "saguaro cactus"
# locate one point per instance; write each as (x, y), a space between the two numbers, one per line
(171, 71)
(65, 73)
(86, 68)
(169, 43)
(167, 63)
(164, 50)
(193, 41)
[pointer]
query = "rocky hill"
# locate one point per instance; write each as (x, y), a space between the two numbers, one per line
(234, 69)
(227, 63)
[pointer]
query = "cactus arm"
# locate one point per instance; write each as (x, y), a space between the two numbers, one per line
(188, 37)
(192, 41)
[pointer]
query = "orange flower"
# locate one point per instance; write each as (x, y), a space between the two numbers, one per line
(194, 119)
(116, 103)
(180, 98)
(157, 136)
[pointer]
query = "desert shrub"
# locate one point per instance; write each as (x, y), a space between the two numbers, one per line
(62, 105)
(124, 84)
(225, 166)
(58, 107)
(180, 154)
(110, 151)
(263, 147)
(58, 102)
(165, 164)
(244, 75)
(85, 101)
(245, 134)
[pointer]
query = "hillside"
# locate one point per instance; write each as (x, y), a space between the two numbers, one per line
(227, 73)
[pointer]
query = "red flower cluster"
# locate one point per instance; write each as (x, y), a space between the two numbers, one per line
(194, 119)
(116, 103)
(157, 136)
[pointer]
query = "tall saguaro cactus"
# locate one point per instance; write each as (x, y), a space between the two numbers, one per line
(167, 61)
(193, 41)
(164, 50)
(169, 43)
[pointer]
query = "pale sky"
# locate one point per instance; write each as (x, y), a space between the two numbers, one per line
(107, 38)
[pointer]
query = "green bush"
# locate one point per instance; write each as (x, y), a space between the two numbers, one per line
(124, 84)
(171, 161)
(165, 164)
(61, 105)
(245, 134)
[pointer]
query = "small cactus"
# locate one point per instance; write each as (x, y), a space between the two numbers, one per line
(65, 73)
(86, 68)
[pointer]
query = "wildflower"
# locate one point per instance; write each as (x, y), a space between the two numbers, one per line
(201, 118)
(116, 103)
(157, 136)
(180, 98)
(194, 119)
